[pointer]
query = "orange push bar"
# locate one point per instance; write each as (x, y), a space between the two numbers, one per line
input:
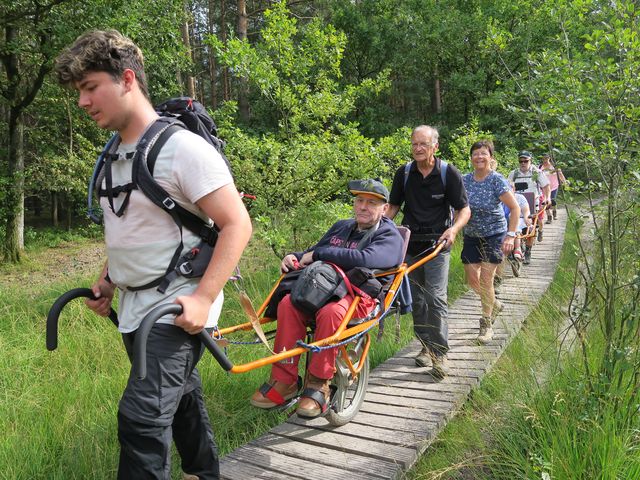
(342, 332)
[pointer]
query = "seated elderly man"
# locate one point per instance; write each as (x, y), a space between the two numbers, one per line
(368, 240)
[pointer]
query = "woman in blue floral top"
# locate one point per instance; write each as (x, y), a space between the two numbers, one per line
(486, 236)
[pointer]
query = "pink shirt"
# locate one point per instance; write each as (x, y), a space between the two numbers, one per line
(552, 176)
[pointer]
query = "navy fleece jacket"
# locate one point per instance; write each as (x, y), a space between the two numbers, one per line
(340, 246)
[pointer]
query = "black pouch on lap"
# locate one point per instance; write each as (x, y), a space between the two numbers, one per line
(319, 284)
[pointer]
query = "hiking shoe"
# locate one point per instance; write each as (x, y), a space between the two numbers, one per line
(423, 359)
(527, 257)
(515, 265)
(314, 400)
(439, 365)
(486, 331)
(273, 393)
(497, 284)
(497, 308)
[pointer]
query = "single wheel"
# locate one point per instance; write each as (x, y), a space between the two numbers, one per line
(349, 390)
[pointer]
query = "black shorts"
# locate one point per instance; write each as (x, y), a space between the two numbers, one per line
(483, 249)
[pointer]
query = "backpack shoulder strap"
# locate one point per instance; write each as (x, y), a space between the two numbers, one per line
(98, 174)
(443, 173)
(407, 168)
(142, 175)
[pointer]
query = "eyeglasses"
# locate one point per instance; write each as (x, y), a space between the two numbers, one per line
(524, 160)
(422, 145)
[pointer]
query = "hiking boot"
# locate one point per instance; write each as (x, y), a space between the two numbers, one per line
(548, 217)
(497, 308)
(422, 359)
(514, 262)
(555, 213)
(486, 331)
(527, 257)
(314, 400)
(540, 235)
(497, 284)
(439, 365)
(273, 393)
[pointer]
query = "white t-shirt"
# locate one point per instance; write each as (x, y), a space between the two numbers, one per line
(141, 243)
(534, 179)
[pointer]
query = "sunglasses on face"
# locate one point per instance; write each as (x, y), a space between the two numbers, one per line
(523, 161)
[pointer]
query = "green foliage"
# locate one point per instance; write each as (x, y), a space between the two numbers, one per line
(305, 190)
(314, 152)
(296, 70)
(459, 145)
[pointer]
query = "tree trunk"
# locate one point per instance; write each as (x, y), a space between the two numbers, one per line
(191, 81)
(69, 212)
(54, 209)
(213, 68)
(437, 94)
(14, 227)
(226, 90)
(243, 84)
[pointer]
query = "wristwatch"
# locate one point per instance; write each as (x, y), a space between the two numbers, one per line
(511, 234)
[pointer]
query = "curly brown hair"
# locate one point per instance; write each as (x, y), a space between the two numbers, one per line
(101, 51)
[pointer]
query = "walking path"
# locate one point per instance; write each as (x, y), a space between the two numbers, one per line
(404, 408)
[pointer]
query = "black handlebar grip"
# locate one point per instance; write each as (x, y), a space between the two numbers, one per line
(56, 308)
(142, 334)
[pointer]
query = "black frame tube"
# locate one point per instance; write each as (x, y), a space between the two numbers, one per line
(142, 334)
(59, 304)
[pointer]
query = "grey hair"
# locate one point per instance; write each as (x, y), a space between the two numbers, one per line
(429, 130)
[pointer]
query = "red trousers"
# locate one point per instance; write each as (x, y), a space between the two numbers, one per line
(292, 326)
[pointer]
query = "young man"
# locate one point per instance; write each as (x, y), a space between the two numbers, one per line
(529, 178)
(368, 240)
(107, 69)
(427, 210)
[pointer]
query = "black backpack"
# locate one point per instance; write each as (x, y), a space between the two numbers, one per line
(175, 114)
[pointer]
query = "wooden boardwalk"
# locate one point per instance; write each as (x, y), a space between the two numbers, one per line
(404, 408)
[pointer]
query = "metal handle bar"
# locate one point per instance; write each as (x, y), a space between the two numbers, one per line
(59, 304)
(142, 334)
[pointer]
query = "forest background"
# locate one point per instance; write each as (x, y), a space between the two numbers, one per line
(309, 94)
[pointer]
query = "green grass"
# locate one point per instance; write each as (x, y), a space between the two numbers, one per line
(532, 416)
(58, 409)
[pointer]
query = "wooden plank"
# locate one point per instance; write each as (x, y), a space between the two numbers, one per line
(233, 467)
(412, 393)
(366, 447)
(448, 384)
(431, 404)
(287, 466)
(391, 437)
(389, 422)
(323, 455)
(436, 418)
